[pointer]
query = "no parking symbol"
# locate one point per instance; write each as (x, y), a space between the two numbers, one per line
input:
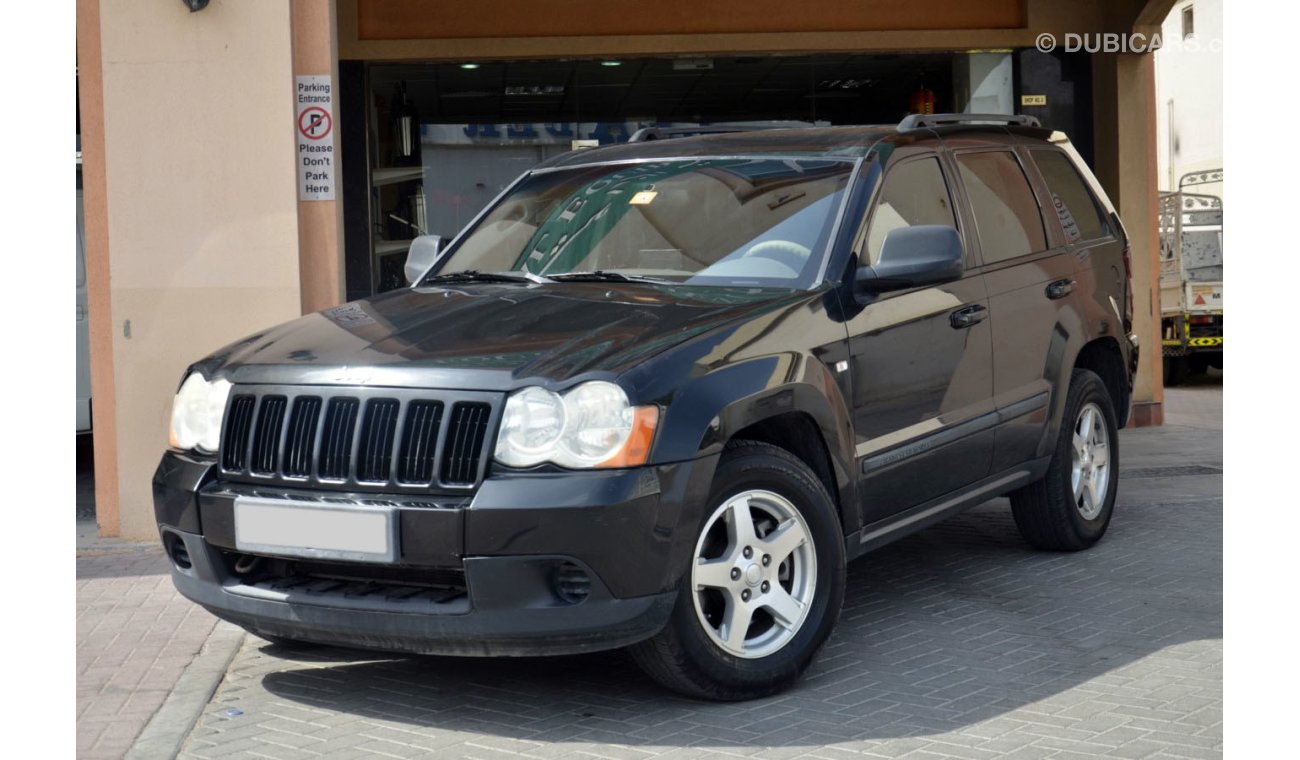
(315, 123)
(315, 127)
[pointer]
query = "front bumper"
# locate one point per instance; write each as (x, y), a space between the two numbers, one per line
(629, 532)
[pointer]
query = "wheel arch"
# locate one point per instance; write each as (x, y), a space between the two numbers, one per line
(1102, 356)
(765, 400)
(798, 433)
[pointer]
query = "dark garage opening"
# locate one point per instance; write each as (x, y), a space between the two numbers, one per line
(442, 139)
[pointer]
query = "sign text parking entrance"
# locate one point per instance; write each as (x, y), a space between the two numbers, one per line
(317, 167)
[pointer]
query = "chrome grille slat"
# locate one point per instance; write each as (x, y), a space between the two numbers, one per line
(374, 457)
(234, 453)
(336, 446)
(465, 443)
(265, 456)
(358, 439)
(419, 442)
(301, 436)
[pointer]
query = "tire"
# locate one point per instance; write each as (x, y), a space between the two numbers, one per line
(691, 655)
(1052, 513)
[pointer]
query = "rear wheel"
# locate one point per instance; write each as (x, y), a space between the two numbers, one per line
(765, 583)
(1070, 507)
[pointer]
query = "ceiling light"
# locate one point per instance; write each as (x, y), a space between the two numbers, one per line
(469, 65)
(611, 63)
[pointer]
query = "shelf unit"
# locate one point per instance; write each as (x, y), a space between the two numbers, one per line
(385, 247)
(389, 186)
(395, 174)
(395, 197)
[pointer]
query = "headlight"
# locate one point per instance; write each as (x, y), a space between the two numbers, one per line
(530, 427)
(197, 412)
(592, 425)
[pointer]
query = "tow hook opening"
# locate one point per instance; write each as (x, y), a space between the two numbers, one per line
(245, 563)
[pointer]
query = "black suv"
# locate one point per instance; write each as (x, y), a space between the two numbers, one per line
(658, 394)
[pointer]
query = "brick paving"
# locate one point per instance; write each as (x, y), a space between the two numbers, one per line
(958, 642)
(135, 635)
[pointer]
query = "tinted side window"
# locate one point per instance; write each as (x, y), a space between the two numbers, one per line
(1074, 205)
(914, 193)
(1006, 213)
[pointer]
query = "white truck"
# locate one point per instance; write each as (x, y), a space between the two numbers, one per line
(83, 328)
(1191, 276)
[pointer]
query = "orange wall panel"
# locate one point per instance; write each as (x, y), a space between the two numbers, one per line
(421, 19)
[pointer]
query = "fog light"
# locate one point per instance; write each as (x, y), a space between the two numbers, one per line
(572, 584)
(174, 545)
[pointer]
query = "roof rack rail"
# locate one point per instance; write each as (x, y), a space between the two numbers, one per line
(922, 120)
(646, 134)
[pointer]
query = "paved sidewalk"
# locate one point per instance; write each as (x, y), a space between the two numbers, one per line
(958, 642)
(135, 636)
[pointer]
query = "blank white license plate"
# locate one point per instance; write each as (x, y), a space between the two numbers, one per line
(325, 531)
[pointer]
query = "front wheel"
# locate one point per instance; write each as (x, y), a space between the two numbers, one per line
(764, 587)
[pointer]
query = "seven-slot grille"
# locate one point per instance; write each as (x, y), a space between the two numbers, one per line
(372, 439)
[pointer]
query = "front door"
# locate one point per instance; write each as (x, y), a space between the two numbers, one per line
(921, 359)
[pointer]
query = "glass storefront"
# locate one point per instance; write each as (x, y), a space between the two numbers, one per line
(444, 139)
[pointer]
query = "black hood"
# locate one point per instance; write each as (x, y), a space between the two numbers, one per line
(488, 336)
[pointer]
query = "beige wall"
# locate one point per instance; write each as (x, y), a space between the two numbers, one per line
(202, 208)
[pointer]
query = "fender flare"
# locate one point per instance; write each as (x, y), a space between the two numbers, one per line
(711, 409)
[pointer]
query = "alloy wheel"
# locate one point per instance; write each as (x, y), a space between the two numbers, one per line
(1090, 465)
(755, 574)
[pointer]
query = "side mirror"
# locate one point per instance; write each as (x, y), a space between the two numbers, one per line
(927, 254)
(424, 251)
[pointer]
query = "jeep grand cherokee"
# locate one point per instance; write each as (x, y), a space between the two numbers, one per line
(658, 394)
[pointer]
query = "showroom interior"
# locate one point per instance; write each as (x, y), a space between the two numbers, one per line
(441, 139)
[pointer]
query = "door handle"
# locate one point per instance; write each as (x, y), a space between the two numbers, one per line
(1060, 289)
(968, 316)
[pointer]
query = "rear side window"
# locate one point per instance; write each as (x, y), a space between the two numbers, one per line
(914, 193)
(1006, 213)
(1074, 205)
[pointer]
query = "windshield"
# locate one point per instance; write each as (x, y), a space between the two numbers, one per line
(726, 221)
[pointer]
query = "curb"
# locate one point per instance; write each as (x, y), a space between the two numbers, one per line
(168, 729)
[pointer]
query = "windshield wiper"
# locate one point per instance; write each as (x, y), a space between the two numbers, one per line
(602, 276)
(471, 275)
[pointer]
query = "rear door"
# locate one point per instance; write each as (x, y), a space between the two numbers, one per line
(922, 378)
(1030, 277)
